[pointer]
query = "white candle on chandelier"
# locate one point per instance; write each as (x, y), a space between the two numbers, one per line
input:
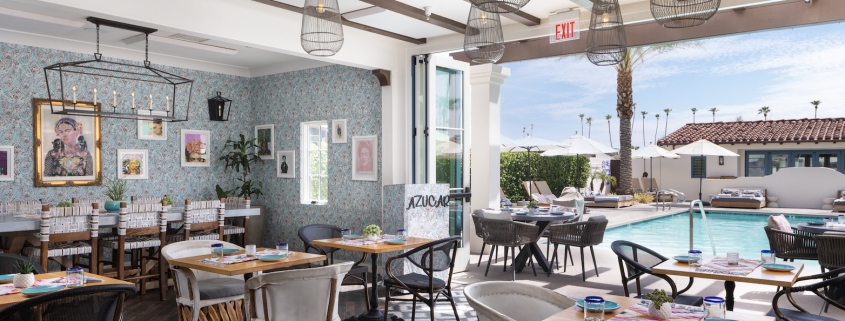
(114, 97)
(151, 102)
(167, 103)
(95, 95)
(133, 100)
(74, 94)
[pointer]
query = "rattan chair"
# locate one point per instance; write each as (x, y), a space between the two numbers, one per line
(431, 258)
(831, 250)
(581, 235)
(797, 245)
(310, 233)
(93, 302)
(508, 234)
(8, 261)
(476, 221)
(833, 280)
(639, 261)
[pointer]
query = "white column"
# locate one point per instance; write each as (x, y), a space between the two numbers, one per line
(486, 82)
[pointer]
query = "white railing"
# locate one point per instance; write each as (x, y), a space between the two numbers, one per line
(703, 215)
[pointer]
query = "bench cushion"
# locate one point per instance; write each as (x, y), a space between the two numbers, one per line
(220, 288)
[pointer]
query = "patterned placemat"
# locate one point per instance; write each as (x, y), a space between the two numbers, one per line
(719, 265)
(364, 241)
(640, 312)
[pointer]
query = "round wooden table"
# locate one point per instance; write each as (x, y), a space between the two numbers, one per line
(818, 229)
(543, 221)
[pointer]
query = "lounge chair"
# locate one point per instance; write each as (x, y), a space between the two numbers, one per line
(740, 198)
(615, 201)
(839, 203)
(544, 188)
(637, 184)
(542, 199)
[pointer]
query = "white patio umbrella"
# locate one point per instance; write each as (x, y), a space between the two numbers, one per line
(651, 152)
(527, 144)
(703, 148)
(576, 147)
(580, 138)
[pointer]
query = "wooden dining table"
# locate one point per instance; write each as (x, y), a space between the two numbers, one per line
(575, 313)
(758, 276)
(246, 268)
(9, 299)
(374, 313)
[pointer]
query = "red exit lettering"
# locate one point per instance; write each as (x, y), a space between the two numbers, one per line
(565, 30)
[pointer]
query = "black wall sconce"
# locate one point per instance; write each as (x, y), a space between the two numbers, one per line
(219, 108)
(721, 160)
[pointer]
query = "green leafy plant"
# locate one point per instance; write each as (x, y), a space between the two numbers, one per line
(248, 189)
(372, 230)
(241, 154)
(168, 200)
(24, 267)
(532, 204)
(223, 193)
(116, 190)
(65, 204)
(557, 171)
(643, 198)
(659, 297)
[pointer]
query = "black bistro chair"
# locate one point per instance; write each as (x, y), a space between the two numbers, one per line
(639, 261)
(581, 235)
(93, 302)
(310, 233)
(8, 261)
(431, 257)
(834, 281)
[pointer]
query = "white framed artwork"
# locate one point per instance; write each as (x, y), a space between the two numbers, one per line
(133, 164)
(195, 148)
(364, 152)
(286, 164)
(339, 131)
(152, 129)
(265, 140)
(7, 163)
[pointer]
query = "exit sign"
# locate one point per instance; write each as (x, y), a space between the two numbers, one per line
(565, 26)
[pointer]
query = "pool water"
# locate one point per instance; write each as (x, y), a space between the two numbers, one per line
(732, 232)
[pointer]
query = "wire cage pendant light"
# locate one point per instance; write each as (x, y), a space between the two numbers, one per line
(499, 6)
(683, 13)
(483, 41)
(606, 42)
(322, 28)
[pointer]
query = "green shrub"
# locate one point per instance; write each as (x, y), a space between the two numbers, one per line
(557, 171)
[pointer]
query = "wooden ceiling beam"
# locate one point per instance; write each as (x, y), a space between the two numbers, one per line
(416, 41)
(519, 16)
(419, 14)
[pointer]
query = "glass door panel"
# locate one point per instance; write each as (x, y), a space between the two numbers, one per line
(804, 160)
(779, 161)
(756, 165)
(829, 160)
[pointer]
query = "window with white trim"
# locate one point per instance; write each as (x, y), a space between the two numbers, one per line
(314, 150)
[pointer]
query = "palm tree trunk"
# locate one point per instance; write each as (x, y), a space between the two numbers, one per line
(609, 133)
(624, 105)
(656, 129)
(714, 117)
(644, 142)
(666, 128)
(693, 118)
(589, 129)
(816, 114)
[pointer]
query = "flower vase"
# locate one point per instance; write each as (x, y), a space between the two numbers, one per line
(372, 237)
(663, 313)
(24, 280)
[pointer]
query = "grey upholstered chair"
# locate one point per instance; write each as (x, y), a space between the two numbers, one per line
(581, 235)
(313, 232)
(508, 234)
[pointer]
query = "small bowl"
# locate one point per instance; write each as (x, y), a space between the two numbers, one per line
(7, 278)
(39, 290)
(815, 223)
(608, 305)
(396, 242)
(682, 258)
(230, 250)
(271, 258)
(778, 267)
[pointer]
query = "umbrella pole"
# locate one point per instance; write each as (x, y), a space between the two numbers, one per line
(701, 180)
(651, 169)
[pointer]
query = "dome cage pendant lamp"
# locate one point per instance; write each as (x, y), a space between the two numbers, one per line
(219, 108)
(166, 91)
(683, 13)
(606, 42)
(322, 28)
(483, 41)
(499, 6)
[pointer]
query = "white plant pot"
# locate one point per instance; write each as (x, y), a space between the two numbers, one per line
(372, 237)
(24, 280)
(663, 314)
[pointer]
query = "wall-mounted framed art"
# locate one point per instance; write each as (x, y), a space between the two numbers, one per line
(286, 164)
(265, 139)
(67, 148)
(133, 164)
(364, 152)
(339, 131)
(152, 129)
(195, 148)
(7, 163)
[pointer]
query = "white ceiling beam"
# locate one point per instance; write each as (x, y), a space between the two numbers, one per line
(188, 44)
(41, 17)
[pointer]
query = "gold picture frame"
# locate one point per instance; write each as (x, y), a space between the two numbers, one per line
(69, 161)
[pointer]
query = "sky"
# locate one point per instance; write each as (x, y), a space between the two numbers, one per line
(782, 69)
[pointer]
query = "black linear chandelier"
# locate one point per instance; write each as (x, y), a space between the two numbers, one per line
(499, 6)
(157, 89)
(683, 13)
(484, 42)
(606, 42)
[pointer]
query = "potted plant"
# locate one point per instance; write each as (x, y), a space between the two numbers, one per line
(168, 201)
(65, 204)
(24, 278)
(532, 207)
(241, 153)
(372, 232)
(658, 308)
(116, 192)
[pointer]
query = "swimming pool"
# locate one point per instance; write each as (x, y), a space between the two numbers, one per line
(732, 232)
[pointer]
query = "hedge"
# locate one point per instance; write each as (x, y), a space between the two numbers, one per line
(557, 171)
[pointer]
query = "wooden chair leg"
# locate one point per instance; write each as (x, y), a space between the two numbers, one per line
(454, 307)
(413, 307)
(386, 301)
(143, 263)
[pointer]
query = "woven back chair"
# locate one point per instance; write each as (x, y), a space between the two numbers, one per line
(93, 302)
(831, 250)
(141, 228)
(510, 235)
(310, 233)
(204, 220)
(831, 289)
(639, 260)
(431, 258)
(230, 230)
(21, 208)
(581, 235)
(145, 200)
(792, 246)
(67, 231)
(476, 221)
(8, 261)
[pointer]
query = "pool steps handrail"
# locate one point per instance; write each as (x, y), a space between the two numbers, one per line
(665, 192)
(700, 207)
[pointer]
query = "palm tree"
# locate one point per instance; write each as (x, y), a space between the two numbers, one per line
(633, 109)
(765, 111)
(582, 123)
(693, 114)
(816, 104)
(589, 126)
(656, 129)
(644, 113)
(610, 133)
(666, 128)
(714, 110)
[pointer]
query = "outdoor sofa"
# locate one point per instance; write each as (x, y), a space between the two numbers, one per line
(615, 201)
(839, 203)
(740, 198)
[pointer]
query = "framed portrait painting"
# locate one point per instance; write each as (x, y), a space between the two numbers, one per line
(195, 147)
(339, 131)
(67, 148)
(286, 164)
(364, 152)
(133, 164)
(152, 129)
(264, 138)
(7, 163)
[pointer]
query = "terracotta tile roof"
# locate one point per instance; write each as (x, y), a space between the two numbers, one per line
(777, 131)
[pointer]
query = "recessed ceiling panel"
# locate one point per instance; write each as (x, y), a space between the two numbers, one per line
(402, 25)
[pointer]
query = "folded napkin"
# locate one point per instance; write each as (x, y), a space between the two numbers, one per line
(719, 265)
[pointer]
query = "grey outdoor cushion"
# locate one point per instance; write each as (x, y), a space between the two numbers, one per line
(220, 288)
(613, 198)
(415, 280)
(798, 316)
(597, 218)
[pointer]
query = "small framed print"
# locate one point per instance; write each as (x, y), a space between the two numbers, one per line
(152, 129)
(265, 139)
(286, 164)
(195, 148)
(339, 131)
(133, 164)
(7, 163)
(364, 151)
